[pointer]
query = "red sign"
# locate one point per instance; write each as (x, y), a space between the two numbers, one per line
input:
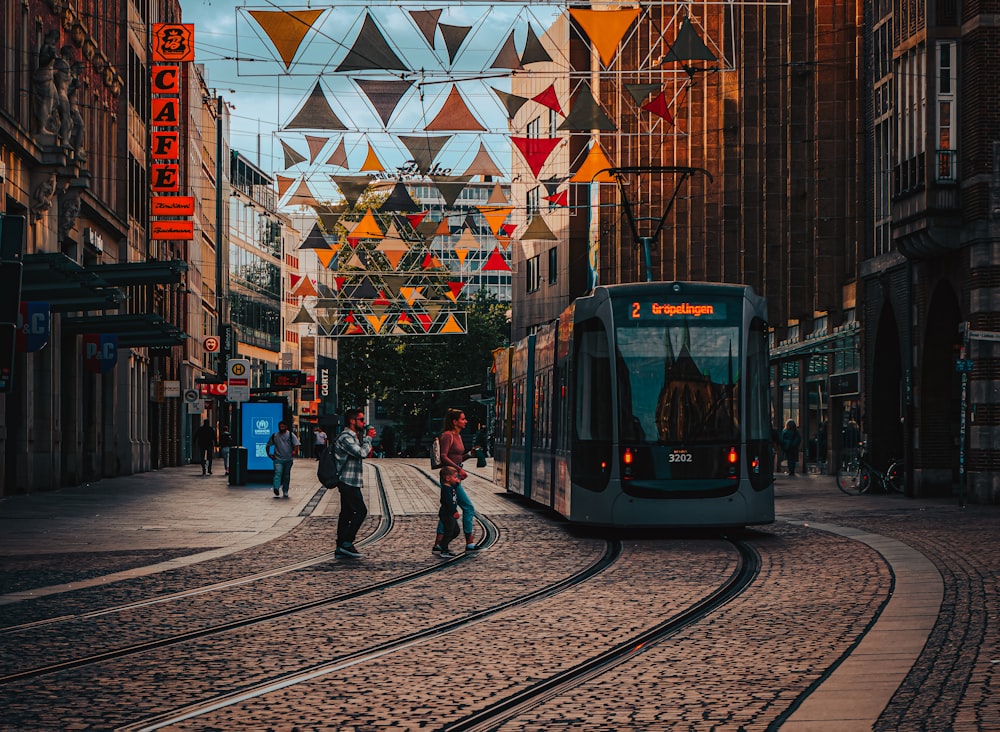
(164, 146)
(165, 112)
(172, 230)
(173, 42)
(165, 80)
(165, 177)
(100, 352)
(211, 344)
(172, 206)
(214, 389)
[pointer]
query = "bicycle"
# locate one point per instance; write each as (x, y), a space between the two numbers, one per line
(857, 476)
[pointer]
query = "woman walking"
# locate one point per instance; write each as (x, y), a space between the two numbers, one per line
(453, 452)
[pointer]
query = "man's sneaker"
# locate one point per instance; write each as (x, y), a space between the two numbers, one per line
(470, 547)
(447, 554)
(347, 550)
(436, 549)
(276, 492)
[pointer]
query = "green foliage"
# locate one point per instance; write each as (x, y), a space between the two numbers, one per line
(413, 375)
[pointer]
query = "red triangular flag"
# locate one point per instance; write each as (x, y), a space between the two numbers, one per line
(559, 199)
(659, 106)
(496, 262)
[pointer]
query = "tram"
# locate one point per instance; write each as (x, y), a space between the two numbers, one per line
(643, 405)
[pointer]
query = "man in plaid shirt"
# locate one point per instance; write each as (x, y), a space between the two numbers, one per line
(351, 447)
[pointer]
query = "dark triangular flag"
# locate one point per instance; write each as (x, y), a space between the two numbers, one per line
(453, 36)
(424, 148)
(315, 240)
(511, 102)
(399, 200)
(534, 51)
(316, 114)
(292, 156)
(507, 58)
(451, 186)
(371, 52)
(351, 186)
(384, 94)
(586, 114)
(688, 46)
(426, 21)
(639, 92)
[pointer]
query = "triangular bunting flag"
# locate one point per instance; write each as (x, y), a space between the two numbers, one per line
(339, 156)
(283, 184)
(450, 186)
(316, 114)
(315, 239)
(586, 114)
(688, 46)
(286, 29)
(453, 36)
(507, 58)
(371, 52)
(461, 253)
(305, 289)
(372, 162)
(303, 316)
(451, 325)
(559, 199)
(394, 257)
(538, 230)
(384, 94)
(455, 115)
(534, 51)
(548, 98)
(590, 171)
(376, 321)
(443, 229)
(424, 319)
(497, 196)
(302, 196)
(536, 150)
(292, 156)
(351, 186)
(424, 148)
(426, 21)
(316, 145)
(399, 200)
(660, 107)
(511, 102)
(326, 256)
(495, 216)
(367, 228)
(605, 28)
(416, 218)
(411, 294)
(455, 288)
(467, 240)
(496, 262)
(640, 92)
(483, 164)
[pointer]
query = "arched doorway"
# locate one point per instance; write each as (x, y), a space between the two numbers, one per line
(885, 394)
(936, 456)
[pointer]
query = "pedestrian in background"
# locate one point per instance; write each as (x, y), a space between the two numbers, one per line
(448, 512)
(282, 447)
(225, 442)
(204, 442)
(352, 446)
(791, 440)
(319, 440)
(453, 452)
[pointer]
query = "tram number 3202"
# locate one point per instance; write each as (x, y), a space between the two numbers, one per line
(681, 457)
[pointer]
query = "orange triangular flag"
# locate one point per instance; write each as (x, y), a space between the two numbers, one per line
(286, 28)
(455, 115)
(394, 256)
(372, 162)
(443, 229)
(605, 28)
(376, 321)
(589, 172)
(284, 184)
(461, 253)
(451, 326)
(495, 216)
(305, 289)
(367, 228)
(326, 256)
(454, 289)
(411, 293)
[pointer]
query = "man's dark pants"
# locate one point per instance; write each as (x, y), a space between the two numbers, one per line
(352, 513)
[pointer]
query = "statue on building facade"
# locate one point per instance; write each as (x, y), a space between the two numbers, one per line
(63, 79)
(43, 84)
(41, 198)
(69, 210)
(76, 138)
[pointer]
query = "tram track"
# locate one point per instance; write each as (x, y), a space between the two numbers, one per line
(610, 555)
(491, 535)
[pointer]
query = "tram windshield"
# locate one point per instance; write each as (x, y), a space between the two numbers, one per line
(678, 378)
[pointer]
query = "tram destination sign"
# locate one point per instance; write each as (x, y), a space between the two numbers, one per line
(983, 335)
(653, 310)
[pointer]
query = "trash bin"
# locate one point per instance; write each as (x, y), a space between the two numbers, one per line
(238, 465)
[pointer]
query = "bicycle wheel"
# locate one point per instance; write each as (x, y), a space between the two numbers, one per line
(849, 479)
(865, 481)
(894, 478)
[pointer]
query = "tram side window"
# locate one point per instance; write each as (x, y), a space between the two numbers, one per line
(756, 387)
(592, 407)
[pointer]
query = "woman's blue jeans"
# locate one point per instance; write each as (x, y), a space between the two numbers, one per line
(467, 509)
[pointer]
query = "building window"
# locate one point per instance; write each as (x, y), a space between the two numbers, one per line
(947, 104)
(553, 123)
(532, 275)
(553, 265)
(534, 202)
(534, 128)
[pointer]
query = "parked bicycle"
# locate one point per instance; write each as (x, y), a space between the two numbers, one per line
(857, 476)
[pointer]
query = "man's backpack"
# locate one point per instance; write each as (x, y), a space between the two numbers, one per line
(436, 453)
(327, 471)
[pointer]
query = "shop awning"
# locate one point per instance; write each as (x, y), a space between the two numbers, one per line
(133, 330)
(65, 285)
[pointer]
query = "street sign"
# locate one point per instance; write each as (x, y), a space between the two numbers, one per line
(983, 335)
(964, 365)
(192, 396)
(171, 389)
(238, 380)
(211, 344)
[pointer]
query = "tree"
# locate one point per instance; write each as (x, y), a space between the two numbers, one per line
(405, 371)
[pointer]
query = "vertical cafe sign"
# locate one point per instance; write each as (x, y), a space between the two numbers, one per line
(173, 45)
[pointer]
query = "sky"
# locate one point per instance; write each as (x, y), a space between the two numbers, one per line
(243, 67)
